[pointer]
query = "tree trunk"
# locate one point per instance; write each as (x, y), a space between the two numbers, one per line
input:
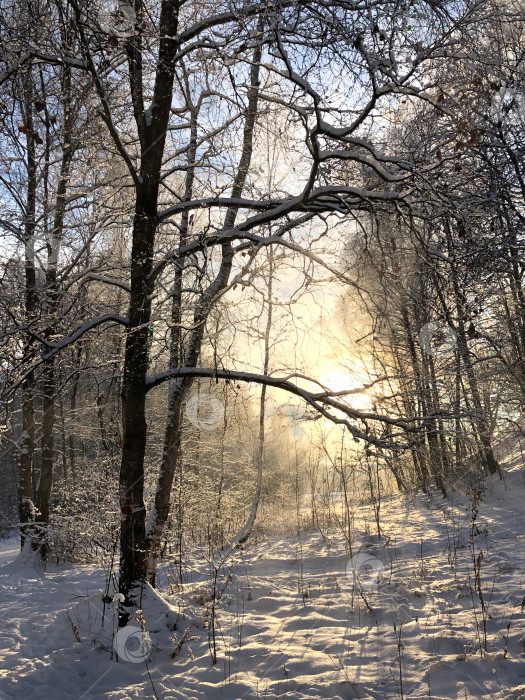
(45, 481)
(73, 416)
(245, 531)
(179, 389)
(131, 481)
(152, 135)
(488, 460)
(54, 239)
(26, 508)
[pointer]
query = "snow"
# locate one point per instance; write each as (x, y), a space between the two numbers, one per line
(9, 549)
(297, 617)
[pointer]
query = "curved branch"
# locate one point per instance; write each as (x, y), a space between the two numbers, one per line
(320, 401)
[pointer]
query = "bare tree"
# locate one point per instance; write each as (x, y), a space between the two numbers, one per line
(181, 91)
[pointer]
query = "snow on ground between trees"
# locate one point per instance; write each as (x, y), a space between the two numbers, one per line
(290, 623)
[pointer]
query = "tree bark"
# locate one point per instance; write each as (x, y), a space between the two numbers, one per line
(152, 135)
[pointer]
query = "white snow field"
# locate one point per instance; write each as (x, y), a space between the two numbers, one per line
(296, 618)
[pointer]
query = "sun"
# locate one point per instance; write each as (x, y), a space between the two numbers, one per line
(339, 380)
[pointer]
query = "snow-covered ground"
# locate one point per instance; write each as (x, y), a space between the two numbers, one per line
(296, 617)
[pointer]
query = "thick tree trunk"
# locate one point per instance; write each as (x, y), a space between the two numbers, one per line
(152, 134)
(131, 482)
